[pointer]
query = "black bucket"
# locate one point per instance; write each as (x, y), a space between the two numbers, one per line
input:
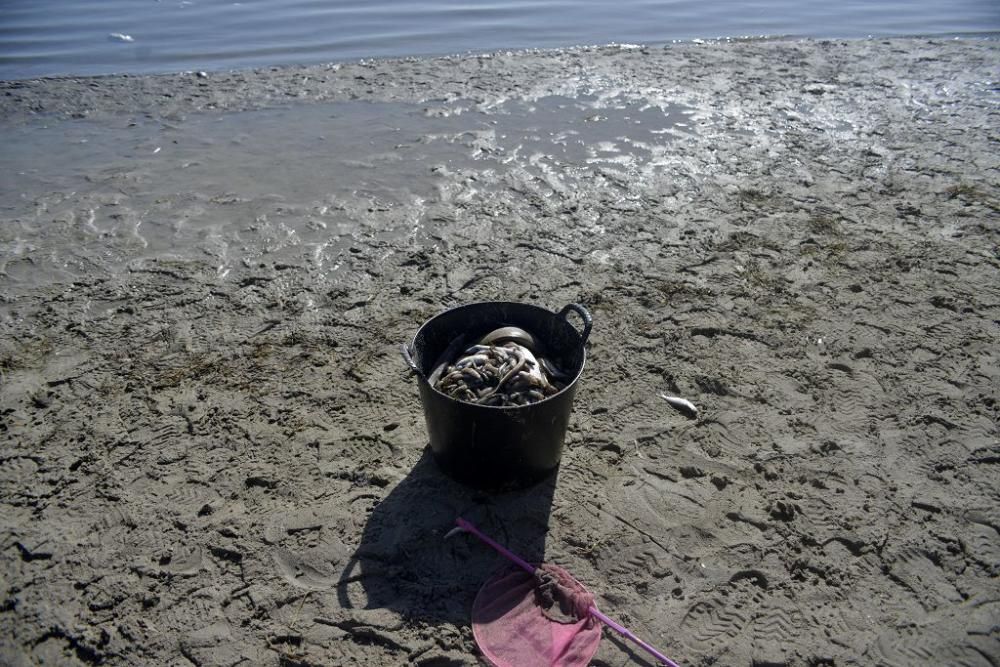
(497, 448)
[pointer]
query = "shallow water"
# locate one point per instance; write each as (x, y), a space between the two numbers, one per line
(46, 37)
(302, 184)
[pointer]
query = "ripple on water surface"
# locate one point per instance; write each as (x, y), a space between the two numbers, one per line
(115, 36)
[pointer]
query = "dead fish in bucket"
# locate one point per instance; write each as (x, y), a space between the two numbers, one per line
(505, 367)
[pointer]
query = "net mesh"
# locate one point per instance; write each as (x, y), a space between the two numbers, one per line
(521, 619)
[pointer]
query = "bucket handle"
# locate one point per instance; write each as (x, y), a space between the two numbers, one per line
(588, 321)
(408, 358)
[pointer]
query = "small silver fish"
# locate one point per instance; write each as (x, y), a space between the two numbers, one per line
(682, 405)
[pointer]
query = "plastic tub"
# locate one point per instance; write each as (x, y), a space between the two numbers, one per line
(497, 448)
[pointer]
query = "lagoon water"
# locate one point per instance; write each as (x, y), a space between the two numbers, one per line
(300, 185)
(88, 37)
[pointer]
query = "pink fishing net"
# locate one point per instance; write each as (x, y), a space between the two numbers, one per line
(521, 619)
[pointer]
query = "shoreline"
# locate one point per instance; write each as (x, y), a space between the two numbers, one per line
(213, 466)
(415, 79)
(990, 35)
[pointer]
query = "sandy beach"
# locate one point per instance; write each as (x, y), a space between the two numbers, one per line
(213, 453)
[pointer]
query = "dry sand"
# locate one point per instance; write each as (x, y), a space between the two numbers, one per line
(221, 469)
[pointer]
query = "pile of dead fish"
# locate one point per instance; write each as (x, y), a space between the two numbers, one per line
(503, 368)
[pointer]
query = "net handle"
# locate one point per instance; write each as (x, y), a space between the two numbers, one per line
(594, 611)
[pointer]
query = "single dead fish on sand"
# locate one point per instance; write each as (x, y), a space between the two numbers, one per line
(682, 405)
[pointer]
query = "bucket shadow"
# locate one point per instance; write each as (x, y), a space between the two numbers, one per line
(404, 563)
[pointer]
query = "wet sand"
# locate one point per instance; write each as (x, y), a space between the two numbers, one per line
(213, 454)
